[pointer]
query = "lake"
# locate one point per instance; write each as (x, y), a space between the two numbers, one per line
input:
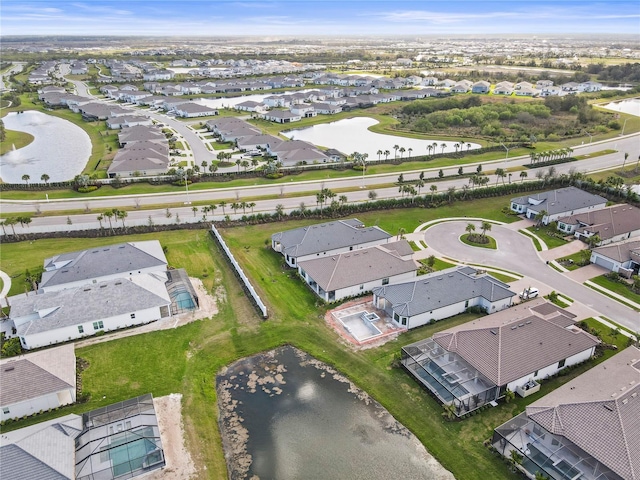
(230, 102)
(286, 415)
(630, 106)
(352, 135)
(60, 149)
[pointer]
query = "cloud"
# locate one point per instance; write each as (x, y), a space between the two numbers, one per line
(97, 9)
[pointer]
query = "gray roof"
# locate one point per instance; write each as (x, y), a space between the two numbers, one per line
(357, 267)
(440, 289)
(16, 464)
(36, 374)
(513, 343)
(324, 237)
(607, 222)
(620, 252)
(599, 411)
(91, 302)
(102, 261)
(561, 200)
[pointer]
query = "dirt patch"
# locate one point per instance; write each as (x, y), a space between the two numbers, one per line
(179, 463)
(208, 308)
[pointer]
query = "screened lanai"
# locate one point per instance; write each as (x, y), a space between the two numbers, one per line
(551, 455)
(448, 376)
(119, 441)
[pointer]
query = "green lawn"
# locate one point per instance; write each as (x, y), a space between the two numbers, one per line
(15, 139)
(574, 261)
(490, 244)
(617, 287)
(548, 235)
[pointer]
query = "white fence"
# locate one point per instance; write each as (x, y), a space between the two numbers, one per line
(240, 273)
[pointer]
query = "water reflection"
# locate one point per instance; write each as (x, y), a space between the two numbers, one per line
(351, 135)
(286, 415)
(60, 149)
(630, 106)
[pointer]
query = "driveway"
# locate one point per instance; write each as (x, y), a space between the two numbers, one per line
(516, 253)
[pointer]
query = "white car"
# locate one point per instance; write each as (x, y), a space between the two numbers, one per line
(528, 293)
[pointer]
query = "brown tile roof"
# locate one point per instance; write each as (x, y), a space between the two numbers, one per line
(509, 351)
(621, 252)
(599, 411)
(607, 222)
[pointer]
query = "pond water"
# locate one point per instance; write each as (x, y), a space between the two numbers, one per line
(351, 135)
(630, 106)
(285, 415)
(60, 149)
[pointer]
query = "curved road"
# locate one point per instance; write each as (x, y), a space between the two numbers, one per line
(516, 253)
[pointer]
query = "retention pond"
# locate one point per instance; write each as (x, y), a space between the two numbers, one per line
(286, 415)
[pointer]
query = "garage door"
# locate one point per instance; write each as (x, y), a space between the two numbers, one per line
(604, 262)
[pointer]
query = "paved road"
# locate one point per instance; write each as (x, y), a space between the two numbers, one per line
(516, 253)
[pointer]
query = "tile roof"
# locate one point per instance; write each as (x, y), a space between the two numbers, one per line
(328, 236)
(599, 411)
(356, 267)
(607, 222)
(440, 289)
(514, 343)
(560, 200)
(16, 464)
(621, 251)
(102, 261)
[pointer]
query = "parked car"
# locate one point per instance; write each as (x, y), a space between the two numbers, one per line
(528, 293)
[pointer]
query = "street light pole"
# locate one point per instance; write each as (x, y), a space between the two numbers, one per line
(590, 136)
(507, 155)
(364, 169)
(624, 125)
(186, 186)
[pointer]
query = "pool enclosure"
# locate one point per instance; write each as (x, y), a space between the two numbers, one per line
(183, 295)
(543, 452)
(448, 376)
(119, 441)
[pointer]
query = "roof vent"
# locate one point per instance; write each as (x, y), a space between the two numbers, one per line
(9, 369)
(514, 327)
(87, 289)
(118, 283)
(493, 332)
(521, 325)
(527, 322)
(608, 407)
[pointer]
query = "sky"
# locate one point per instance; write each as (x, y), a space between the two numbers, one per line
(317, 17)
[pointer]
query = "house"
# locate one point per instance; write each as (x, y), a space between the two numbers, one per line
(503, 88)
(121, 440)
(193, 110)
(253, 142)
(326, 108)
(145, 157)
(590, 86)
(611, 224)
(304, 110)
(462, 87)
(301, 156)
(250, 106)
(480, 87)
(621, 257)
(526, 91)
(122, 260)
(280, 116)
(440, 295)
(475, 363)
(540, 84)
(521, 85)
(585, 429)
(557, 203)
(78, 68)
(37, 382)
(353, 273)
(128, 121)
(140, 133)
(331, 238)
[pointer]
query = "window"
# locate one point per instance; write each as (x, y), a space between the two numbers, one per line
(561, 363)
(350, 248)
(385, 281)
(98, 325)
(535, 374)
(466, 304)
(404, 321)
(396, 317)
(80, 329)
(361, 287)
(133, 315)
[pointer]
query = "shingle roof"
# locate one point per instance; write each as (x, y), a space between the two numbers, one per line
(328, 236)
(505, 352)
(560, 200)
(102, 261)
(16, 464)
(91, 302)
(357, 267)
(439, 289)
(599, 411)
(22, 380)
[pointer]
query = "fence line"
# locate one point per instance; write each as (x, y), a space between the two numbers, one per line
(240, 273)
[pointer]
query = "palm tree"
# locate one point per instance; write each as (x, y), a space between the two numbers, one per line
(540, 217)
(410, 150)
(523, 175)
(109, 215)
(373, 195)
(222, 205)
(500, 174)
(470, 228)
(213, 168)
(450, 192)
(443, 146)
(243, 206)
(303, 209)
(396, 147)
(26, 179)
(238, 162)
(434, 145)
(456, 146)
(121, 214)
(468, 146)
(235, 206)
(434, 189)
(194, 209)
(342, 199)
(379, 152)
(11, 221)
(386, 154)
(429, 148)
(45, 178)
(626, 155)
(485, 227)
(204, 211)
(402, 150)
(279, 210)
(212, 208)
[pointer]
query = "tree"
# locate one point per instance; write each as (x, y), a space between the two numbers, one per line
(386, 154)
(251, 205)
(122, 214)
(26, 178)
(539, 218)
(222, 205)
(470, 228)
(11, 222)
(213, 168)
(402, 150)
(485, 227)
(429, 148)
(235, 206)
(479, 168)
(431, 261)
(523, 175)
(303, 209)
(401, 232)
(194, 209)
(279, 210)
(100, 218)
(245, 164)
(626, 155)
(109, 215)
(379, 152)
(593, 241)
(396, 147)
(451, 192)
(45, 178)
(238, 162)
(443, 146)
(500, 174)
(373, 195)
(410, 150)
(434, 189)
(460, 171)
(401, 178)
(440, 173)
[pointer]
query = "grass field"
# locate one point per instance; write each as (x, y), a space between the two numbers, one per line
(15, 139)
(548, 236)
(187, 359)
(617, 287)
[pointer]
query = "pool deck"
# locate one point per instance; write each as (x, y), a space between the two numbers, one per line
(388, 329)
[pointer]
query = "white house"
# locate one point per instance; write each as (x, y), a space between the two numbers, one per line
(611, 224)
(354, 273)
(37, 382)
(192, 110)
(557, 203)
(280, 116)
(331, 238)
(621, 257)
(303, 109)
(440, 295)
(470, 365)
